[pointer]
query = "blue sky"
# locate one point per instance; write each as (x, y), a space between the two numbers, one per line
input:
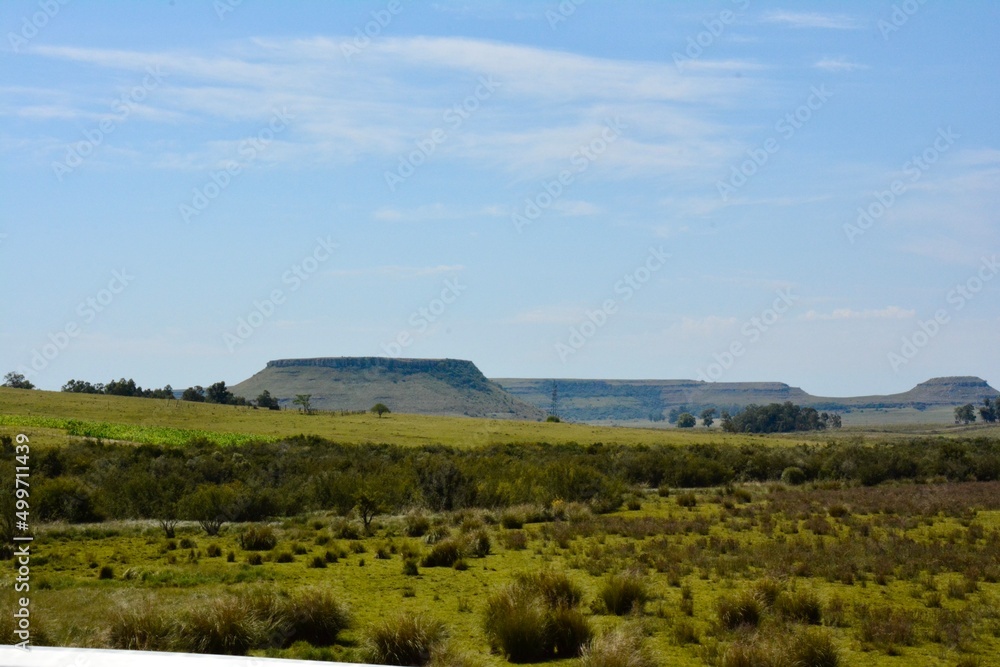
(736, 191)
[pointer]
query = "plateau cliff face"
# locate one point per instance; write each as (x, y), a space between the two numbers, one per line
(630, 400)
(419, 386)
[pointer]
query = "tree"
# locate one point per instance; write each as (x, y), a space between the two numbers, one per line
(380, 409)
(686, 420)
(265, 400)
(305, 401)
(218, 393)
(122, 387)
(194, 394)
(965, 414)
(83, 387)
(211, 506)
(707, 417)
(16, 381)
(989, 411)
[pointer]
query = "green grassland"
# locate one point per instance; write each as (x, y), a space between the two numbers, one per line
(853, 553)
(826, 572)
(174, 422)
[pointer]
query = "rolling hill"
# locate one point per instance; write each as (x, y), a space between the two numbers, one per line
(416, 386)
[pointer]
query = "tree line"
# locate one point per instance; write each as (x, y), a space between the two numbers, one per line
(91, 480)
(989, 412)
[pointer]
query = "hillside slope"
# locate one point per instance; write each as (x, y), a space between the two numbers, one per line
(417, 386)
(631, 400)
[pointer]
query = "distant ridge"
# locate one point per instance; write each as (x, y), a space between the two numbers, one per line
(630, 400)
(417, 386)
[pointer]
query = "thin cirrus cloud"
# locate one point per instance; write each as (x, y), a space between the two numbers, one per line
(376, 106)
(838, 65)
(890, 313)
(399, 272)
(813, 20)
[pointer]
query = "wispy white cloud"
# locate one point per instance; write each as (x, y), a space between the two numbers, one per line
(436, 212)
(888, 313)
(813, 20)
(399, 272)
(379, 105)
(838, 65)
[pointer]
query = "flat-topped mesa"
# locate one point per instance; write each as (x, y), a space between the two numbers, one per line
(637, 400)
(456, 372)
(421, 386)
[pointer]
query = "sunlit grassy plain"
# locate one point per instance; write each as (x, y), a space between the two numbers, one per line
(931, 552)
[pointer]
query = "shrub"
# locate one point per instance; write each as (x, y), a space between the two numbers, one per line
(318, 562)
(315, 616)
(800, 607)
(663, 491)
(443, 554)
(417, 525)
(481, 544)
(767, 590)
(284, 557)
(410, 567)
(554, 587)
(255, 559)
(742, 610)
(624, 593)
(885, 626)
(793, 476)
(225, 626)
(140, 627)
(257, 538)
(106, 572)
(511, 520)
(515, 625)
(515, 540)
(622, 647)
(569, 631)
(687, 499)
(813, 647)
(213, 551)
(406, 639)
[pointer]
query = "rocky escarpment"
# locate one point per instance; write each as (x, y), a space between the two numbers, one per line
(419, 386)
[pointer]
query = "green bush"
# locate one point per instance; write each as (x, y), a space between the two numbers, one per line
(556, 588)
(106, 572)
(406, 639)
(417, 524)
(622, 647)
(224, 626)
(793, 476)
(139, 627)
(481, 544)
(315, 616)
(257, 538)
(742, 610)
(687, 499)
(813, 647)
(569, 631)
(515, 625)
(799, 607)
(443, 554)
(624, 593)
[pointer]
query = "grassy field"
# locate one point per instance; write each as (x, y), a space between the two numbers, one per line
(907, 576)
(776, 573)
(28, 409)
